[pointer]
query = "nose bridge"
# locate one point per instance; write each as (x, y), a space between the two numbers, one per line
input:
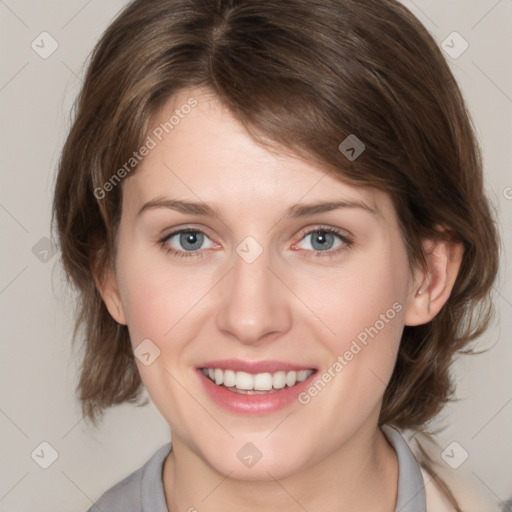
(253, 302)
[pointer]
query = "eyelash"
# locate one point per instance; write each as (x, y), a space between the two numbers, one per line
(347, 243)
(331, 253)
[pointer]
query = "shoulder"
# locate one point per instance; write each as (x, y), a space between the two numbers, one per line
(125, 495)
(436, 499)
(131, 494)
(468, 497)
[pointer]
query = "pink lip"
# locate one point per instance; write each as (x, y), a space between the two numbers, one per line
(262, 404)
(238, 365)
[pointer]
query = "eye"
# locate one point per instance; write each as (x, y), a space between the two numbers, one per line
(325, 240)
(322, 241)
(186, 241)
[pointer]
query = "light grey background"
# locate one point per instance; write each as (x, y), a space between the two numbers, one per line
(37, 365)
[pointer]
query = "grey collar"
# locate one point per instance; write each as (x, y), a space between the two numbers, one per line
(411, 489)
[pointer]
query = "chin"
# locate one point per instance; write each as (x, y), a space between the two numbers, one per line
(246, 462)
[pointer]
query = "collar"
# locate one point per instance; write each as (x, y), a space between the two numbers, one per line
(411, 488)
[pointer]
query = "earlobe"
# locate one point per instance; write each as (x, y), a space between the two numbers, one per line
(109, 291)
(432, 289)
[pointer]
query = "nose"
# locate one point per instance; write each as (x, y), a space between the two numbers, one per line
(254, 302)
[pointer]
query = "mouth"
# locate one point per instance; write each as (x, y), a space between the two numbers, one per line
(256, 384)
(254, 387)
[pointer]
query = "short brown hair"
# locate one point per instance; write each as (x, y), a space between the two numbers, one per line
(300, 75)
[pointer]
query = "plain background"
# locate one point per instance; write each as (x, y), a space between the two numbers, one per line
(37, 364)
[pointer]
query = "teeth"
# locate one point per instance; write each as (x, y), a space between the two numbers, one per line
(291, 378)
(302, 375)
(229, 378)
(279, 380)
(263, 381)
(256, 382)
(243, 380)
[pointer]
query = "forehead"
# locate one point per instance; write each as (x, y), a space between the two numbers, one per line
(203, 153)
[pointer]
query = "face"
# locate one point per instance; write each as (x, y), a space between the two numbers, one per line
(229, 269)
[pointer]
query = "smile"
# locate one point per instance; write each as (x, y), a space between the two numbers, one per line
(259, 383)
(245, 387)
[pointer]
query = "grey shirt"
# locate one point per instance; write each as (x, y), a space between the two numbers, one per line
(143, 490)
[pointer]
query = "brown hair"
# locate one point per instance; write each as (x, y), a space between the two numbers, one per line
(300, 75)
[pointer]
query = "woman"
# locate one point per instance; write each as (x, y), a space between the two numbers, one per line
(274, 214)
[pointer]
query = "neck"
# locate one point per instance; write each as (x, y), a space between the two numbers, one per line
(361, 475)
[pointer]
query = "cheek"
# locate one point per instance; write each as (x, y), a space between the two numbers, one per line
(364, 309)
(158, 297)
(159, 305)
(146, 307)
(363, 300)
(363, 306)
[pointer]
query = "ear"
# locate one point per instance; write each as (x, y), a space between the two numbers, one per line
(106, 283)
(432, 289)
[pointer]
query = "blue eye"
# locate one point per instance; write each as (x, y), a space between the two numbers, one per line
(188, 241)
(321, 240)
(325, 241)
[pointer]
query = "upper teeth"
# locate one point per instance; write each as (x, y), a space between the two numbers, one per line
(258, 381)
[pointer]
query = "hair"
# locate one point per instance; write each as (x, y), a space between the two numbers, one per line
(301, 76)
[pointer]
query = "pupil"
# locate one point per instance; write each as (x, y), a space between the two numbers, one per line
(323, 240)
(191, 241)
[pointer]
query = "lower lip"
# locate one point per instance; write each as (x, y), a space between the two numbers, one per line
(253, 404)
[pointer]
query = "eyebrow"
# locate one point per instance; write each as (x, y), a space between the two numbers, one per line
(294, 211)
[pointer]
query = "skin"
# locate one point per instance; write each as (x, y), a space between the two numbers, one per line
(287, 305)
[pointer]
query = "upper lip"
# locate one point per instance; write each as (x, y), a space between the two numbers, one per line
(239, 365)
